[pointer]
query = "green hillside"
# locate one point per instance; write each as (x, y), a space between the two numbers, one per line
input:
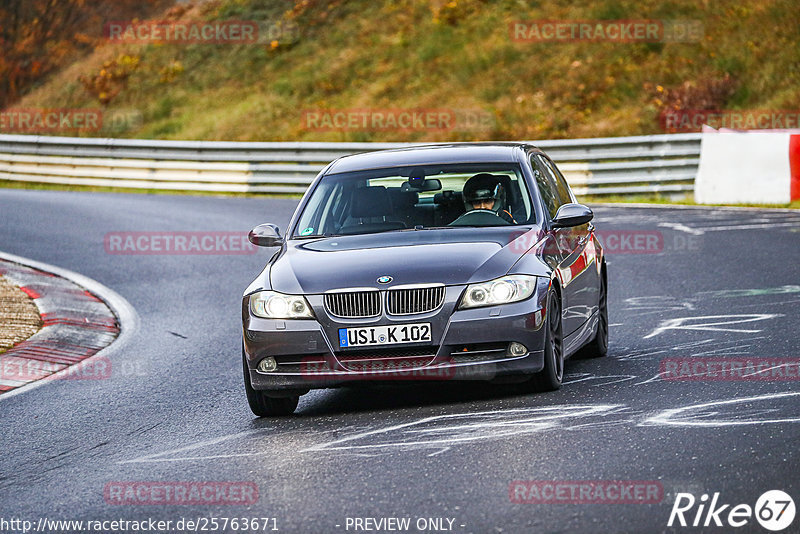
(454, 57)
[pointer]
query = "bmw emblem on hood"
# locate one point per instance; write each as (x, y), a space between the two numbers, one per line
(385, 279)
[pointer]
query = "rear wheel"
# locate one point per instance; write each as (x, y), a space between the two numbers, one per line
(598, 347)
(263, 405)
(550, 378)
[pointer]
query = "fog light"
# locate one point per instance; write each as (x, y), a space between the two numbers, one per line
(517, 349)
(267, 365)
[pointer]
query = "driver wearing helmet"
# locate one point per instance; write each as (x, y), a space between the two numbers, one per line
(484, 200)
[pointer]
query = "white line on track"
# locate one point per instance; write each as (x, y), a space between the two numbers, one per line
(681, 228)
(693, 207)
(788, 224)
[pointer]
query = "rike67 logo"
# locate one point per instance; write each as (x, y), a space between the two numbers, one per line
(774, 510)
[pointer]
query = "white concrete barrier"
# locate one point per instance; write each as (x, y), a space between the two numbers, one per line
(748, 167)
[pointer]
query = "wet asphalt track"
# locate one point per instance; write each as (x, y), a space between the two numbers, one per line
(175, 410)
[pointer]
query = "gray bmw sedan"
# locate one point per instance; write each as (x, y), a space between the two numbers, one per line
(467, 261)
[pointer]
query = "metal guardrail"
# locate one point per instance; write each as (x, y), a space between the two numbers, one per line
(614, 165)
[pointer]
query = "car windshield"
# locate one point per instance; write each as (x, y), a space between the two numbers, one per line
(417, 197)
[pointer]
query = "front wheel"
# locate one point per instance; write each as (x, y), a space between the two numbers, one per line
(550, 378)
(263, 405)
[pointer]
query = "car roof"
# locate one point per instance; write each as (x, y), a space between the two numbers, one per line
(430, 154)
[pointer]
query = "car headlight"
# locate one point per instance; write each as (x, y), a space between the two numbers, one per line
(274, 305)
(511, 288)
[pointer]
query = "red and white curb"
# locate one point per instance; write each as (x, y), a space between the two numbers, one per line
(83, 323)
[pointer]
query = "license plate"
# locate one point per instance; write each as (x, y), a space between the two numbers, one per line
(384, 335)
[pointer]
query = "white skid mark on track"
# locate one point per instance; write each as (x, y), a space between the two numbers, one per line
(769, 369)
(446, 430)
(725, 351)
(778, 303)
(727, 413)
(754, 292)
(639, 355)
(691, 344)
(733, 348)
(604, 424)
(656, 378)
(603, 380)
(656, 304)
(162, 456)
(716, 324)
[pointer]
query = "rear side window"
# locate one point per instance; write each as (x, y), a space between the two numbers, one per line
(547, 187)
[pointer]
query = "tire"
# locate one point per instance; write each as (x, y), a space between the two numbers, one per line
(550, 378)
(598, 346)
(263, 405)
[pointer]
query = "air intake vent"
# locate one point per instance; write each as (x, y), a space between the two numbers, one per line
(415, 300)
(353, 304)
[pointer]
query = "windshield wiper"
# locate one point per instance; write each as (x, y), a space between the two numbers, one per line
(316, 236)
(418, 228)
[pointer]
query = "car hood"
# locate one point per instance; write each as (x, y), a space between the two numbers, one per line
(450, 256)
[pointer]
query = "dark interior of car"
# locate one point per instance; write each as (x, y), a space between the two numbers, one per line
(379, 208)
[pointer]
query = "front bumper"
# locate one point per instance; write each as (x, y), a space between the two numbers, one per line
(466, 345)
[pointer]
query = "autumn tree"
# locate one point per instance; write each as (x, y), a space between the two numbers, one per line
(40, 36)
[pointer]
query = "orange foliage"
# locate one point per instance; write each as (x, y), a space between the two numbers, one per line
(40, 36)
(704, 94)
(111, 79)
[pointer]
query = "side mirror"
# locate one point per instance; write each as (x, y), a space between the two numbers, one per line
(265, 235)
(572, 215)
